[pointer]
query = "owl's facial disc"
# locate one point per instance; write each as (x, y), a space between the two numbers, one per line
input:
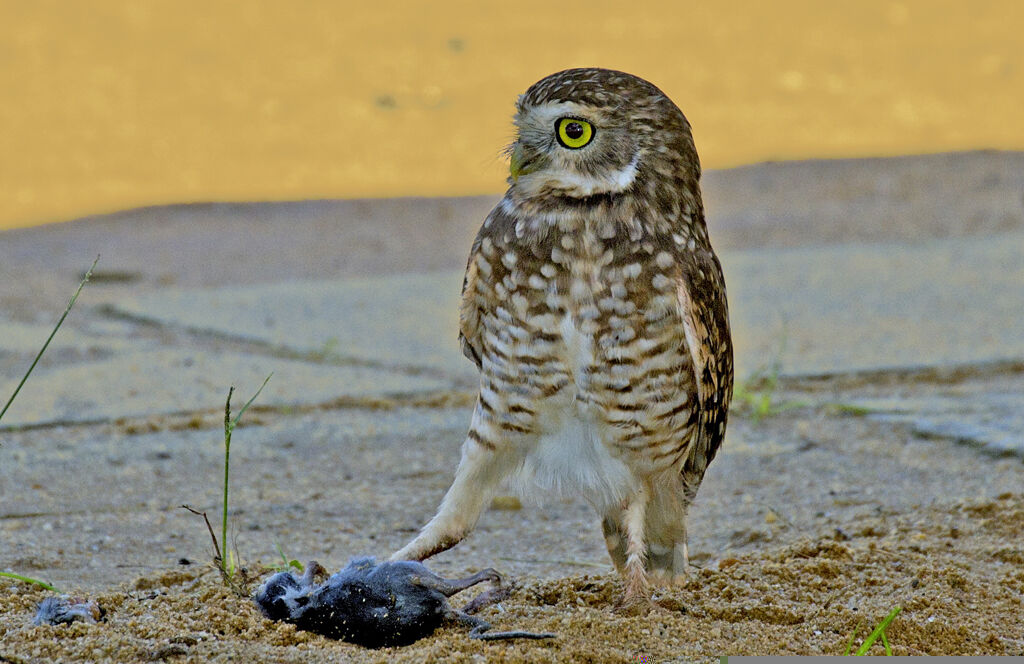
(573, 150)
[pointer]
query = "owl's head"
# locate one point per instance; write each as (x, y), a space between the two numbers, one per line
(585, 132)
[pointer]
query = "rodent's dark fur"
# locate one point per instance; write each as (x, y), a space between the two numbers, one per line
(377, 604)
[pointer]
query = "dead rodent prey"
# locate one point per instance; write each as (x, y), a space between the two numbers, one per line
(380, 604)
(63, 609)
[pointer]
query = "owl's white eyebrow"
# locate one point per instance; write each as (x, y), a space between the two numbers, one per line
(546, 114)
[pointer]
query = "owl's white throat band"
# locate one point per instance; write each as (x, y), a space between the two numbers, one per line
(578, 185)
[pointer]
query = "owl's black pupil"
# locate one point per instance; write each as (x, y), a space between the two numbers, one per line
(574, 130)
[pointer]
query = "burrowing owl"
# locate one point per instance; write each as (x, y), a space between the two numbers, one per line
(595, 309)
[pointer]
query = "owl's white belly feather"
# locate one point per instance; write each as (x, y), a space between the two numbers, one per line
(569, 456)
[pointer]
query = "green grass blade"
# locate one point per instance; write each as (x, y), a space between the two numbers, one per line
(288, 564)
(27, 579)
(879, 631)
(67, 310)
(849, 644)
(885, 642)
(46, 345)
(249, 402)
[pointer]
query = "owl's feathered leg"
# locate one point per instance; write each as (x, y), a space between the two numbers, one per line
(614, 539)
(482, 467)
(668, 560)
(665, 555)
(634, 518)
(668, 564)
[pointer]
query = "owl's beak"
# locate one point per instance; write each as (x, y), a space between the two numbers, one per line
(520, 164)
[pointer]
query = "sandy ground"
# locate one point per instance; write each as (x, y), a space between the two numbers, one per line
(958, 582)
(953, 571)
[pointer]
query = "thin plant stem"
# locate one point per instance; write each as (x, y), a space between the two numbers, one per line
(229, 427)
(46, 345)
(216, 547)
(71, 303)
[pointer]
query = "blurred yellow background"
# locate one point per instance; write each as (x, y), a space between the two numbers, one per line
(111, 104)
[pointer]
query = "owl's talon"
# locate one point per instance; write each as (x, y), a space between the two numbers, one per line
(633, 605)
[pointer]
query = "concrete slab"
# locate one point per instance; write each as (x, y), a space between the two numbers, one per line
(20, 338)
(854, 307)
(408, 320)
(172, 380)
(815, 310)
(991, 421)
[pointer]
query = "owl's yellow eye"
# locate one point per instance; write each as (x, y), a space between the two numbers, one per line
(573, 133)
